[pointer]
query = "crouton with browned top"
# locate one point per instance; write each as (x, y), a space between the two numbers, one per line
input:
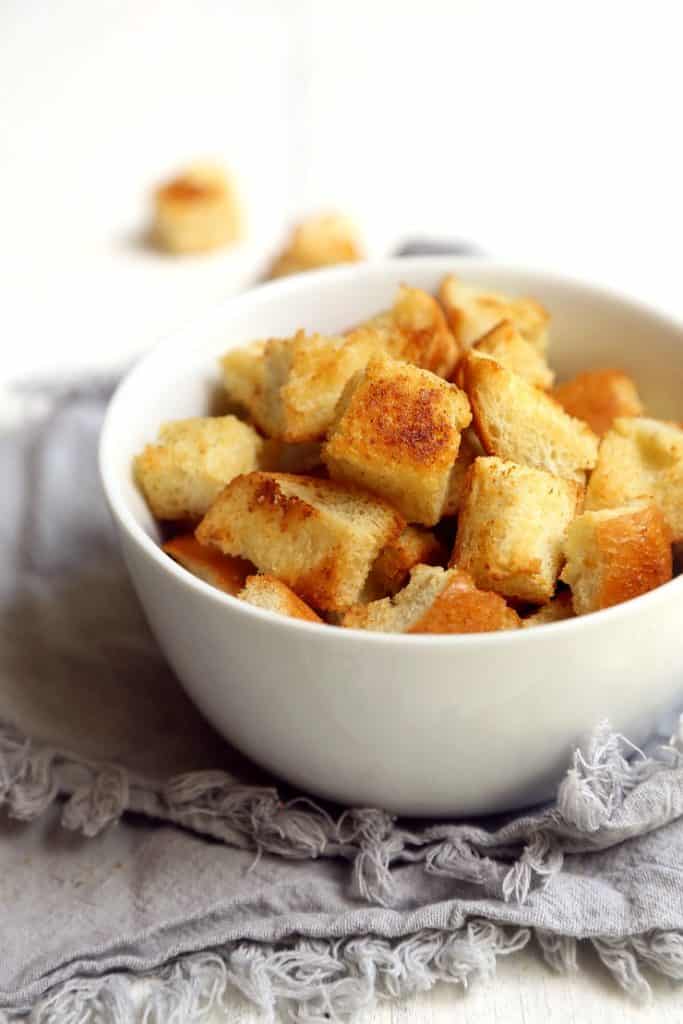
(506, 344)
(321, 240)
(415, 329)
(197, 211)
(598, 397)
(472, 312)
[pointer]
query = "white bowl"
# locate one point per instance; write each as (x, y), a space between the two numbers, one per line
(438, 725)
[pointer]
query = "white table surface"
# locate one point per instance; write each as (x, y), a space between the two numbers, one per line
(547, 133)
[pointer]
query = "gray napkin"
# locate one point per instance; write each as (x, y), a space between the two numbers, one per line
(135, 840)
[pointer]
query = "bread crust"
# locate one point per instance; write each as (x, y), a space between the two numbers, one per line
(222, 571)
(265, 591)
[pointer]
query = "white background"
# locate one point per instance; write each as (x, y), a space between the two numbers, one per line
(549, 133)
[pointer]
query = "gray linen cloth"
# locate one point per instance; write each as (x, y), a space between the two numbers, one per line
(135, 840)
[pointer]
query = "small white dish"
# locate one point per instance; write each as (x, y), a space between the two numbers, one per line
(419, 725)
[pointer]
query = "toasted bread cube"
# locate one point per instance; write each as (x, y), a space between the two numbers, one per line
(616, 554)
(415, 546)
(416, 331)
(192, 461)
(244, 376)
(472, 312)
(317, 536)
(470, 449)
(641, 458)
(319, 241)
(516, 421)
(506, 344)
(598, 397)
(557, 610)
(398, 434)
(511, 528)
(435, 601)
(222, 571)
(197, 211)
(275, 596)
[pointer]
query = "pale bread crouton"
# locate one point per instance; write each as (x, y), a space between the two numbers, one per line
(509, 347)
(415, 330)
(511, 527)
(598, 397)
(641, 458)
(435, 601)
(222, 571)
(518, 422)
(415, 546)
(472, 312)
(470, 449)
(616, 554)
(275, 596)
(197, 211)
(304, 379)
(322, 240)
(557, 610)
(192, 461)
(398, 435)
(317, 536)
(243, 372)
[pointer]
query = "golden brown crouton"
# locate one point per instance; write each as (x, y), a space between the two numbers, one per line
(557, 610)
(219, 570)
(415, 546)
(275, 596)
(192, 461)
(470, 449)
(472, 312)
(616, 554)
(509, 347)
(415, 330)
(511, 526)
(518, 422)
(244, 376)
(319, 241)
(318, 536)
(598, 397)
(197, 211)
(398, 434)
(435, 601)
(641, 458)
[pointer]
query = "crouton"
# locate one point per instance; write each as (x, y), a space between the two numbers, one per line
(640, 458)
(435, 601)
(472, 312)
(275, 596)
(509, 347)
(398, 434)
(244, 376)
(598, 397)
(222, 571)
(319, 241)
(317, 536)
(616, 554)
(557, 610)
(416, 331)
(192, 461)
(516, 421)
(197, 211)
(511, 527)
(415, 546)
(470, 449)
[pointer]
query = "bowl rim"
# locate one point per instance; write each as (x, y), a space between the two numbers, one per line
(127, 522)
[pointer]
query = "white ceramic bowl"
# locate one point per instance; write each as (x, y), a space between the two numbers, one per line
(439, 725)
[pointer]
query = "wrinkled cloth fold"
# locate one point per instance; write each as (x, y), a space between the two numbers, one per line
(134, 839)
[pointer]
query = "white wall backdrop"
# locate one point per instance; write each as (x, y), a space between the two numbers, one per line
(549, 132)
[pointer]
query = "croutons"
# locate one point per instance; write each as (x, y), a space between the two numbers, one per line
(470, 449)
(192, 461)
(275, 596)
(616, 554)
(415, 546)
(197, 211)
(244, 376)
(641, 458)
(222, 571)
(472, 312)
(507, 346)
(516, 421)
(415, 330)
(598, 397)
(398, 435)
(557, 610)
(320, 241)
(279, 457)
(511, 527)
(435, 601)
(317, 536)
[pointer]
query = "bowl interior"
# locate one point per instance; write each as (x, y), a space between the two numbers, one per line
(589, 328)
